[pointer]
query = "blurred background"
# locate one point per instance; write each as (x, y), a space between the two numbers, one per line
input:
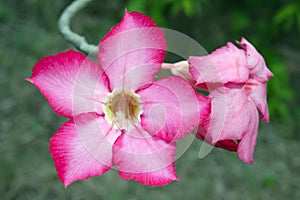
(28, 32)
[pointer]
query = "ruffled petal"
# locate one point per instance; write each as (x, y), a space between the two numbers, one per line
(132, 52)
(233, 118)
(256, 63)
(170, 108)
(82, 148)
(226, 64)
(230, 112)
(257, 92)
(247, 143)
(145, 159)
(205, 111)
(71, 83)
(233, 121)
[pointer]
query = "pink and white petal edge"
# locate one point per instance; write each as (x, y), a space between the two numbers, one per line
(80, 150)
(226, 64)
(247, 144)
(170, 108)
(256, 62)
(258, 94)
(69, 78)
(145, 159)
(131, 65)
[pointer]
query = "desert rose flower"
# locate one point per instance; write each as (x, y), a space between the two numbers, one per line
(236, 79)
(118, 115)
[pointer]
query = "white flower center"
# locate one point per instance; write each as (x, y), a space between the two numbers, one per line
(122, 109)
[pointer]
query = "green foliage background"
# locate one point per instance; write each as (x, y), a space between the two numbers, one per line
(28, 32)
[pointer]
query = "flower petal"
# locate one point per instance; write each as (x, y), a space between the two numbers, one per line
(229, 145)
(229, 106)
(145, 159)
(205, 112)
(256, 62)
(82, 148)
(258, 94)
(204, 103)
(170, 108)
(132, 52)
(233, 118)
(247, 143)
(226, 64)
(71, 83)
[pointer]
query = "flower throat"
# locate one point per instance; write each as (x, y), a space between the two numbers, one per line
(122, 108)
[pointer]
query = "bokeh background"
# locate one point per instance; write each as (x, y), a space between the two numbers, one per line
(28, 32)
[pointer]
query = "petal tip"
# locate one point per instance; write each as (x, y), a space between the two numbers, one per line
(245, 159)
(30, 80)
(140, 177)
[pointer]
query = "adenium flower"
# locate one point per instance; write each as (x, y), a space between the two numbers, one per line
(236, 79)
(118, 115)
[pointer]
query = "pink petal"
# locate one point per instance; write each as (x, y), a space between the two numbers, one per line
(71, 83)
(226, 64)
(82, 148)
(145, 159)
(256, 62)
(233, 117)
(258, 94)
(229, 145)
(204, 108)
(170, 108)
(247, 144)
(230, 113)
(205, 111)
(132, 52)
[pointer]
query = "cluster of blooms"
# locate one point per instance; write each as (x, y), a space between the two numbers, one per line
(120, 116)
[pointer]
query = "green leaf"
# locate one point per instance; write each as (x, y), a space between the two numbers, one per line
(298, 21)
(188, 7)
(285, 14)
(241, 21)
(137, 5)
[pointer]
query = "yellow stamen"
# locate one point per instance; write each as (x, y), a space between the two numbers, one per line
(122, 108)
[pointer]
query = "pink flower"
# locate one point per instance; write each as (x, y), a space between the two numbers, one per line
(236, 80)
(118, 114)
